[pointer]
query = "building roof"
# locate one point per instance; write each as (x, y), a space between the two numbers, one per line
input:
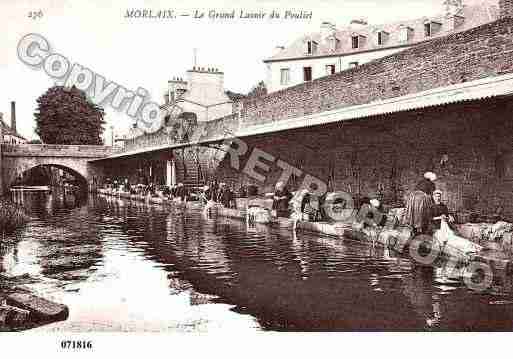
(474, 13)
(490, 87)
(6, 130)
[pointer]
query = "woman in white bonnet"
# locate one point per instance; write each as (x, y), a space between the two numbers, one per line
(419, 204)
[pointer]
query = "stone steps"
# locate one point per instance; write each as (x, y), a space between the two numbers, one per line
(40, 310)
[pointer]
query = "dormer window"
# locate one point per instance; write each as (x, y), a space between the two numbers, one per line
(333, 43)
(454, 21)
(431, 28)
(357, 41)
(427, 29)
(382, 38)
(311, 47)
(405, 34)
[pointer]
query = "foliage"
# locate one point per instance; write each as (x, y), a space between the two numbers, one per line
(12, 217)
(35, 142)
(234, 96)
(66, 116)
(258, 90)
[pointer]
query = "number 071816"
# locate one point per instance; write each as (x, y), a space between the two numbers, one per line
(76, 344)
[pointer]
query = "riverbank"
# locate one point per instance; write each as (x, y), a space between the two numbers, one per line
(20, 309)
(12, 217)
(105, 258)
(480, 242)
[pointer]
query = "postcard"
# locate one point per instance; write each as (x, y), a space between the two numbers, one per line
(236, 172)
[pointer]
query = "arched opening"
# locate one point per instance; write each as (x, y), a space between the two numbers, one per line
(51, 175)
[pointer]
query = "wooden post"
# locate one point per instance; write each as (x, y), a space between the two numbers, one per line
(170, 172)
(173, 172)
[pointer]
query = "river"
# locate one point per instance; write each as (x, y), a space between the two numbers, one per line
(127, 266)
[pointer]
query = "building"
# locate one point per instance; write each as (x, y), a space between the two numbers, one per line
(10, 135)
(333, 49)
(443, 105)
(202, 95)
(199, 99)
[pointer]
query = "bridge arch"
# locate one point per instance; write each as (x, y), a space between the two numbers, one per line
(76, 159)
(15, 167)
(78, 177)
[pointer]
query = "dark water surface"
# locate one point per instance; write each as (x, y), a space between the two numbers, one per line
(127, 266)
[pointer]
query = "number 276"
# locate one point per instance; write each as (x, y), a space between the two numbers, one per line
(34, 15)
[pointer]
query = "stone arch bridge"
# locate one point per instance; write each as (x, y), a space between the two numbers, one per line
(76, 159)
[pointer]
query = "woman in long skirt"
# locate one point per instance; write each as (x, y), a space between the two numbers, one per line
(419, 204)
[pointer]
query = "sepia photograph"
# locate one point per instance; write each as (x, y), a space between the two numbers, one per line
(251, 168)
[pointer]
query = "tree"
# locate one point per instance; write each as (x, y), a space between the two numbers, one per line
(234, 96)
(66, 116)
(35, 142)
(258, 90)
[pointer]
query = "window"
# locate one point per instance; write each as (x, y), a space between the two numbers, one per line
(355, 40)
(330, 69)
(311, 47)
(405, 34)
(333, 43)
(353, 64)
(427, 29)
(284, 76)
(431, 28)
(382, 38)
(307, 73)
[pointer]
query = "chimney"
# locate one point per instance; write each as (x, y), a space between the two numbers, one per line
(278, 49)
(13, 116)
(206, 86)
(327, 29)
(505, 8)
(454, 14)
(358, 24)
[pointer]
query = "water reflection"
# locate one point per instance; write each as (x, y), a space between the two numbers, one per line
(130, 266)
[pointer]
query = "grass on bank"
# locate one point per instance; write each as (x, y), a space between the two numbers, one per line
(12, 216)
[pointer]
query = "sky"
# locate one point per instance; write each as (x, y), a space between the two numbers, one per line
(148, 52)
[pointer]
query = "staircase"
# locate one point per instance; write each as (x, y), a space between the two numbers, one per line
(187, 170)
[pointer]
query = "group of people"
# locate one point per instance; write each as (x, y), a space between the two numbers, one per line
(424, 208)
(218, 193)
(178, 191)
